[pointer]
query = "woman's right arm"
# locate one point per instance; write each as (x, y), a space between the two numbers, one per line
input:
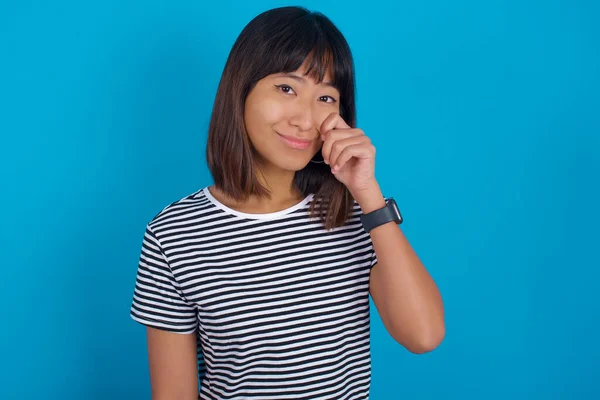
(173, 365)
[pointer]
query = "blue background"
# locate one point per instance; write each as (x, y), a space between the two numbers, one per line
(486, 120)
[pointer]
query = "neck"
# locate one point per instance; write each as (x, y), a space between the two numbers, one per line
(279, 182)
(281, 185)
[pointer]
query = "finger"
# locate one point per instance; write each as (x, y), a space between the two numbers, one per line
(340, 145)
(333, 121)
(335, 136)
(357, 151)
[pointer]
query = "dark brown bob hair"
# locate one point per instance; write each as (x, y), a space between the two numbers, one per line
(279, 40)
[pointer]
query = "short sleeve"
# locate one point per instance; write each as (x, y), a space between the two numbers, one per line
(368, 235)
(373, 258)
(157, 299)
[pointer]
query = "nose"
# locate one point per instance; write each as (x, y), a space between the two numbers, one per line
(302, 117)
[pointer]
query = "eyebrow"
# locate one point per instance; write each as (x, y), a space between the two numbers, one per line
(302, 80)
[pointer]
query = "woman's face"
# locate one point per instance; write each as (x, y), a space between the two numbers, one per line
(282, 115)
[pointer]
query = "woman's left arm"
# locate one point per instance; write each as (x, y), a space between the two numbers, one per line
(406, 297)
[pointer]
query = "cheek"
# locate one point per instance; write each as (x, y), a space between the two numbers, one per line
(261, 112)
(321, 113)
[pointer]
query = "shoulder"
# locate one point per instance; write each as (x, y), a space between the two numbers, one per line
(179, 210)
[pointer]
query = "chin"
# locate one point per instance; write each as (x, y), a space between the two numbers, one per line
(291, 164)
(298, 166)
(285, 161)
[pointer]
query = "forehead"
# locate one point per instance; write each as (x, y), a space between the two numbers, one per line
(320, 69)
(303, 78)
(327, 65)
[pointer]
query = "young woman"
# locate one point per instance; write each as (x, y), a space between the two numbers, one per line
(258, 286)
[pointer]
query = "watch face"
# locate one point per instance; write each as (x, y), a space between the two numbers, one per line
(396, 210)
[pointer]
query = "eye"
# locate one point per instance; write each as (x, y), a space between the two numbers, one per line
(285, 88)
(327, 97)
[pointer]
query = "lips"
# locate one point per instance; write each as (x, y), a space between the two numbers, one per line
(296, 143)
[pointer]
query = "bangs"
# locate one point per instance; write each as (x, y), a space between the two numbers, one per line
(319, 58)
(310, 39)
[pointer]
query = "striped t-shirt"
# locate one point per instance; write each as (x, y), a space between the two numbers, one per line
(279, 305)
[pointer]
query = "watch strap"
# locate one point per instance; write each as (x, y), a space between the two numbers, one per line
(382, 216)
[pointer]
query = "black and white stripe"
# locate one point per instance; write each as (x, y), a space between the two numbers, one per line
(280, 306)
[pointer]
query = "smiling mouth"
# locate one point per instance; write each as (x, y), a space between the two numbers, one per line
(294, 143)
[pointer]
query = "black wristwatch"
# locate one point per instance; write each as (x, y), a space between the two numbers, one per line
(382, 216)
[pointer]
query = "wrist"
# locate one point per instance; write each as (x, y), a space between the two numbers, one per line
(370, 198)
